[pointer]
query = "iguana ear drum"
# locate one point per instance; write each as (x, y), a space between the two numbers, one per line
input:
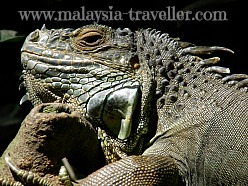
(134, 62)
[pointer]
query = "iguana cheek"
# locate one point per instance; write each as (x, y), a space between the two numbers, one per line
(115, 109)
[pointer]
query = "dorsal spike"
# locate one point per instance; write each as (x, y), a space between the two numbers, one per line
(235, 77)
(210, 61)
(184, 44)
(205, 49)
(218, 69)
(21, 77)
(164, 35)
(243, 83)
(22, 85)
(24, 98)
(43, 28)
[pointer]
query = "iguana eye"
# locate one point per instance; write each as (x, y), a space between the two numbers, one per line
(87, 39)
(91, 38)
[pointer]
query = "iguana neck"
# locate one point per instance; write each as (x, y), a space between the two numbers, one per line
(183, 81)
(166, 61)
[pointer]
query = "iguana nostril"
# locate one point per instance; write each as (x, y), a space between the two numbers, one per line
(35, 36)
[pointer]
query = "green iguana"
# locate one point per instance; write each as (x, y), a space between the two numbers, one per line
(164, 115)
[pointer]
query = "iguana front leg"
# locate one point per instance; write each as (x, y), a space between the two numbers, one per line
(136, 170)
(132, 170)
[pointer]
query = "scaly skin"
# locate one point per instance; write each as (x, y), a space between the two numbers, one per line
(163, 114)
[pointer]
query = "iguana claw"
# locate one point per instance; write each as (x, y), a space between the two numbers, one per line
(28, 177)
(7, 182)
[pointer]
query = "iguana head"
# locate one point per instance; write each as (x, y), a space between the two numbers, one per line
(96, 70)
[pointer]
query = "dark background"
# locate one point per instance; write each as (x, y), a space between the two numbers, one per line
(231, 34)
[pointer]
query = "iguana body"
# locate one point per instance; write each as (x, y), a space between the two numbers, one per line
(164, 116)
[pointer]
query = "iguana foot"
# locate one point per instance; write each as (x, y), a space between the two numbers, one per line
(28, 177)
